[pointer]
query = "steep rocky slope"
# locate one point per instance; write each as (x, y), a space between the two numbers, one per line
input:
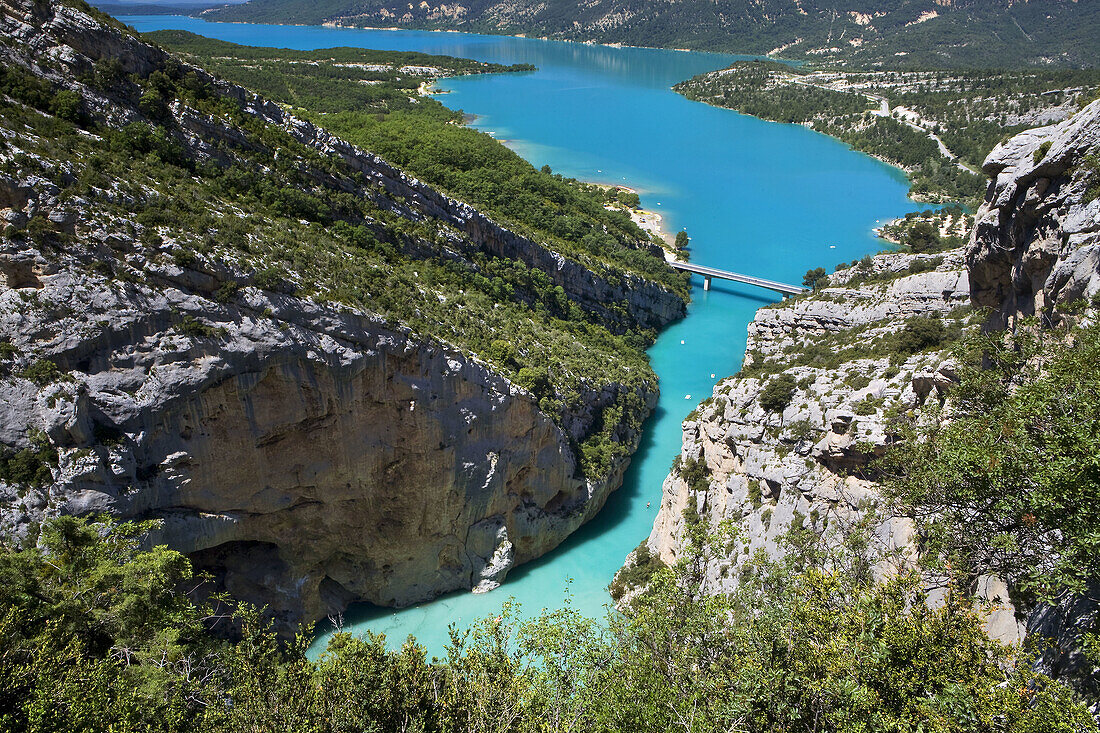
(1036, 243)
(204, 319)
(857, 356)
(871, 347)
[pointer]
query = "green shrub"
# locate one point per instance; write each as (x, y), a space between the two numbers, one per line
(924, 236)
(816, 278)
(1041, 151)
(67, 105)
(778, 393)
(503, 352)
(755, 494)
(637, 573)
(29, 466)
(193, 328)
(696, 474)
(269, 278)
(226, 291)
(1091, 166)
(920, 333)
(42, 372)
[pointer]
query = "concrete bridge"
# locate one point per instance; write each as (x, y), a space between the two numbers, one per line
(710, 272)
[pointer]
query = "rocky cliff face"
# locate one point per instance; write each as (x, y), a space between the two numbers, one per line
(310, 453)
(807, 464)
(1034, 252)
(1036, 244)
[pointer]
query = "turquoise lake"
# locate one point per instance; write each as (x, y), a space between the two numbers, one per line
(756, 197)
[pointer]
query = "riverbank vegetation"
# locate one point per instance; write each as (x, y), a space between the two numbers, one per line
(99, 634)
(903, 116)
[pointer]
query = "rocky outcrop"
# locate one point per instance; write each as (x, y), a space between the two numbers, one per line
(1036, 242)
(807, 465)
(309, 453)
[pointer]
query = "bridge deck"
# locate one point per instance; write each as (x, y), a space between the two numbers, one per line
(709, 272)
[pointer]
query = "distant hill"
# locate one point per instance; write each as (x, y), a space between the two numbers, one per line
(952, 33)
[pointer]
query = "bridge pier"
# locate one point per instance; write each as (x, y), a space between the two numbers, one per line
(706, 282)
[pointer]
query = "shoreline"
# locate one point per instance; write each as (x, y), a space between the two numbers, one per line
(650, 222)
(332, 24)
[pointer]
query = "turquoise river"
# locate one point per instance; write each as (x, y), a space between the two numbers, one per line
(756, 197)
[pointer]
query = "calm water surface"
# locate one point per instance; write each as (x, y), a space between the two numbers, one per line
(756, 197)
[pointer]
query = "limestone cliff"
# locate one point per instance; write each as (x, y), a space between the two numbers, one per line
(311, 454)
(1036, 242)
(807, 463)
(308, 450)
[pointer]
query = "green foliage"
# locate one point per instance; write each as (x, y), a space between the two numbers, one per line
(778, 393)
(832, 350)
(637, 572)
(920, 333)
(922, 237)
(696, 473)
(534, 380)
(97, 635)
(1091, 167)
(1010, 484)
(67, 105)
(816, 278)
(28, 466)
(503, 352)
(682, 240)
(1041, 151)
(194, 328)
(628, 199)
(42, 372)
(269, 278)
(226, 291)
(755, 494)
